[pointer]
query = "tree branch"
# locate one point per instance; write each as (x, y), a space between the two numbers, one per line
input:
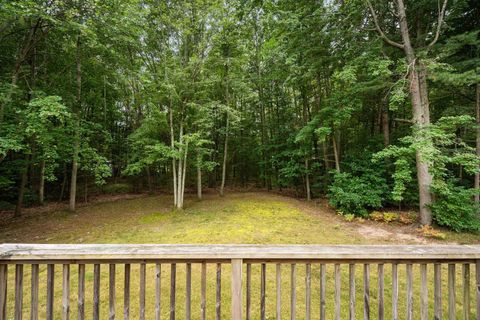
(441, 15)
(379, 30)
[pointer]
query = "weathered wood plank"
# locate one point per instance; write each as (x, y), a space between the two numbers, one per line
(477, 285)
(323, 291)
(293, 291)
(111, 292)
(437, 291)
(451, 292)
(96, 292)
(66, 292)
(34, 293)
(423, 292)
(278, 285)
(3, 291)
(466, 290)
(308, 290)
(218, 293)
(262, 290)
(81, 292)
(409, 269)
(381, 292)
(18, 291)
(237, 289)
(351, 276)
(366, 291)
(13, 252)
(395, 291)
(173, 287)
(188, 291)
(141, 295)
(158, 290)
(50, 290)
(338, 289)
(248, 301)
(203, 294)
(126, 292)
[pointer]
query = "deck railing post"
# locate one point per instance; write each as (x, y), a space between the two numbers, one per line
(237, 289)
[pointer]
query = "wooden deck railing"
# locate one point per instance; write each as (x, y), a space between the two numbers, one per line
(420, 282)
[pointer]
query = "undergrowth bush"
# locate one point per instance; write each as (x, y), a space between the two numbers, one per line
(357, 194)
(117, 188)
(454, 208)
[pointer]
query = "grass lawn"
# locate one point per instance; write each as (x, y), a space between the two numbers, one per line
(260, 218)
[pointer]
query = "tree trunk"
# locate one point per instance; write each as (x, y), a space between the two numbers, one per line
(477, 111)
(335, 153)
(21, 192)
(174, 168)
(224, 165)
(41, 187)
(64, 182)
(385, 125)
(421, 116)
(149, 179)
(76, 146)
(307, 180)
(199, 177)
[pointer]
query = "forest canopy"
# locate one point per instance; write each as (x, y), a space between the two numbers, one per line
(370, 103)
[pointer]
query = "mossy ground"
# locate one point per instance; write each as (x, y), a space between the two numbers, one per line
(259, 218)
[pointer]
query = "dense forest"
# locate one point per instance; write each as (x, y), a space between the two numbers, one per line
(369, 103)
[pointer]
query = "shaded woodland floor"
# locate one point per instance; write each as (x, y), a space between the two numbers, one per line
(239, 217)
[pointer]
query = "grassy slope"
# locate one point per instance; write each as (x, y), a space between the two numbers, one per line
(237, 218)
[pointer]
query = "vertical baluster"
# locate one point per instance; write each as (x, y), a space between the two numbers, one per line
(188, 291)
(451, 292)
(409, 268)
(249, 291)
(262, 290)
(203, 304)
(141, 295)
(366, 291)
(466, 290)
(173, 285)
(423, 292)
(323, 290)
(111, 292)
(50, 290)
(351, 274)
(158, 287)
(308, 290)
(18, 291)
(477, 271)
(278, 312)
(3, 291)
(293, 296)
(126, 293)
(395, 291)
(66, 292)
(34, 293)
(237, 289)
(338, 288)
(437, 291)
(81, 292)
(218, 305)
(96, 291)
(381, 292)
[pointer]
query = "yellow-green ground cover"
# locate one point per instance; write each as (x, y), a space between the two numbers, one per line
(259, 218)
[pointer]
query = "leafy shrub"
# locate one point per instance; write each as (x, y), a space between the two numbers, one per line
(454, 207)
(349, 217)
(376, 216)
(356, 194)
(390, 216)
(407, 217)
(430, 232)
(117, 188)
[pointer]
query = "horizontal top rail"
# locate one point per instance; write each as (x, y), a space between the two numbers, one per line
(100, 252)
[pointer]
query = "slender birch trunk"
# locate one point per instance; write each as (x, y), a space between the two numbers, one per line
(199, 177)
(225, 154)
(335, 153)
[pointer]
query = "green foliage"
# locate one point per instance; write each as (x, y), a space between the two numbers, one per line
(454, 207)
(356, 194)
(117, 188)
